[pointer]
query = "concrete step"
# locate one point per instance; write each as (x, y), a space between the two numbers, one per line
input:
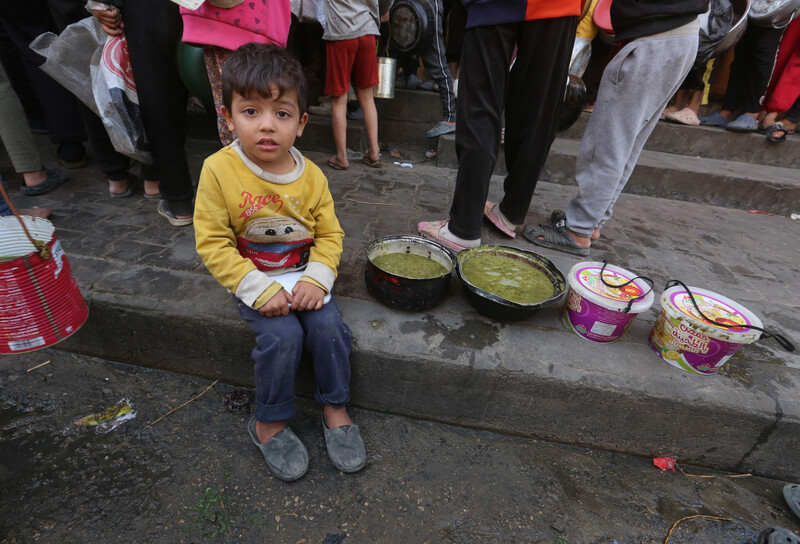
(417, 106)
(152, 303)
(712, 143)
(731, 184)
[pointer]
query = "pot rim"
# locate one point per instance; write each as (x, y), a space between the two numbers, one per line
(554, 274)
(420, 241)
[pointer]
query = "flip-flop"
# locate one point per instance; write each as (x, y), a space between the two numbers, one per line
(488, 213)
(777, 127)
(791, 492)
(554, 236)
(430, 230)
(777, 535)
(336, 166)
(372, 164)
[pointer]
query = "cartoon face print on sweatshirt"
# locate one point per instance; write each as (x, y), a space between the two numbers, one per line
(275, 243)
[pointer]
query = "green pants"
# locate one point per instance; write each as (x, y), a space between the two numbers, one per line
(14, 130)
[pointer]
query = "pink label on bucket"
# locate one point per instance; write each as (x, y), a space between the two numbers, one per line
(592, 321)
(683, 346)
(589, 277)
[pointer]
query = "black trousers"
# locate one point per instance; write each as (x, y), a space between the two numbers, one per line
(754, 59)
(532, 94)
(23, 22)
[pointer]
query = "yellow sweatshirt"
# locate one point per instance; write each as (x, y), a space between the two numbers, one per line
(250, 224)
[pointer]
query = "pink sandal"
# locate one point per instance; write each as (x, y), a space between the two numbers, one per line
(430, 230)
(489, 214)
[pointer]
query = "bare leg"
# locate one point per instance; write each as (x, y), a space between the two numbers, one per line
(339, 124)
(336, 417)
(365, 98)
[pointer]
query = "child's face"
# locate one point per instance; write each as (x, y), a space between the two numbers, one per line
(267, 128)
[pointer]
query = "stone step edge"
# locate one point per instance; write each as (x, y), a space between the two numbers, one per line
(557, 399)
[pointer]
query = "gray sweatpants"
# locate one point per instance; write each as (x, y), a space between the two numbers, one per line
(635, 89)
(436, 64)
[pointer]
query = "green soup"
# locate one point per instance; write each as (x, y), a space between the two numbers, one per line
(508, 278)
(409, 265)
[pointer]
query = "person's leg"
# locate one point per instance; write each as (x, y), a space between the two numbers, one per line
(766, 41)
(153, 29)
(365, 68)
(14, 131)
(23, 22)
(533, 107)
(328, 340)
(279, 345)
(484, 75)
(433, 57)
(613, 142)
(339, 56)
(214, 58)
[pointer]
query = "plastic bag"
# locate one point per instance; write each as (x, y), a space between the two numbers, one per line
(715, 25)
(95, 67)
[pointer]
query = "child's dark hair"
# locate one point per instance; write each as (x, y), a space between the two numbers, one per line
(257, 67)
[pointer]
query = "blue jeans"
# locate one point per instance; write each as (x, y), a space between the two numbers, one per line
(4, 209)
(279, 344)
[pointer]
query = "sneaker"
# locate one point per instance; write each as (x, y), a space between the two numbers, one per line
(286, 456)
(165, 211)
(429, 85)
(441, 128)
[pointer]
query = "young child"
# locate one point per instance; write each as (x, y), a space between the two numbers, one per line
(264, 217)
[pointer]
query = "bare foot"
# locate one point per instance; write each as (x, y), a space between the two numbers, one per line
(151, 187)
(595, 235)
(338, 163)
(336, 417)
(36, 211)
(118, 187)
(265, 431)
(583, 241)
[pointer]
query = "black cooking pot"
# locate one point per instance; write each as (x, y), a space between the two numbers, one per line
(497, 307)
(411, 25)
(575, 100)
(403, 292)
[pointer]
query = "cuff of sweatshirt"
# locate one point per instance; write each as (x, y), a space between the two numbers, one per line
(253, 286)
(312, 281)
(271, 291)
(321, 274)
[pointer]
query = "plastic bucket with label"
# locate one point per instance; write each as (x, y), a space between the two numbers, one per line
(684, 339)
(600, 312)
(40, 303)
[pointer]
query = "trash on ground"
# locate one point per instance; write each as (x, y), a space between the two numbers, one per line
(110, 418)
(664, 463)
(429, 154)
(38, 366)
(666, 541)
(760, 212)
(795, 216)
(404, 164)
(396, 153)
(238, 400)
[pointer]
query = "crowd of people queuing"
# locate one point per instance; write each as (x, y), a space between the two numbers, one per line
(263, 215)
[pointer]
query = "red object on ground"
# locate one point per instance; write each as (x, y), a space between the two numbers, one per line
(665, 463)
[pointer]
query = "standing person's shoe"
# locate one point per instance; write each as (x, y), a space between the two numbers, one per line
(285, 455)
(791, 492)
(71, 155)
(54, 178)
(686, 116)
(441, 128)
(413, 82)
(345, 447)
(743, 123)
(165, 211)
(714, 120)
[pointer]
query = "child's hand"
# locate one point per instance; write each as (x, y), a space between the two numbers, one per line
(277, 305)
(110, 20)
(307, 296)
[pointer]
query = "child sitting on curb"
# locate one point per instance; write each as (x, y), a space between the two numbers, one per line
(264, 217)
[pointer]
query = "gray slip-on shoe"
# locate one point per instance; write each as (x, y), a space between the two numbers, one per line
(743, 123)
(791, 492)
(777, 535)
(285, 455)
(345, 447)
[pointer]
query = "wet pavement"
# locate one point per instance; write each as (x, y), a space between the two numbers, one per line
(194, 476)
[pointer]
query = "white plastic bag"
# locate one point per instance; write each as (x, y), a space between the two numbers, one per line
(95, 67)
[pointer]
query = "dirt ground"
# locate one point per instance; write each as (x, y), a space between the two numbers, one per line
(195, 476)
